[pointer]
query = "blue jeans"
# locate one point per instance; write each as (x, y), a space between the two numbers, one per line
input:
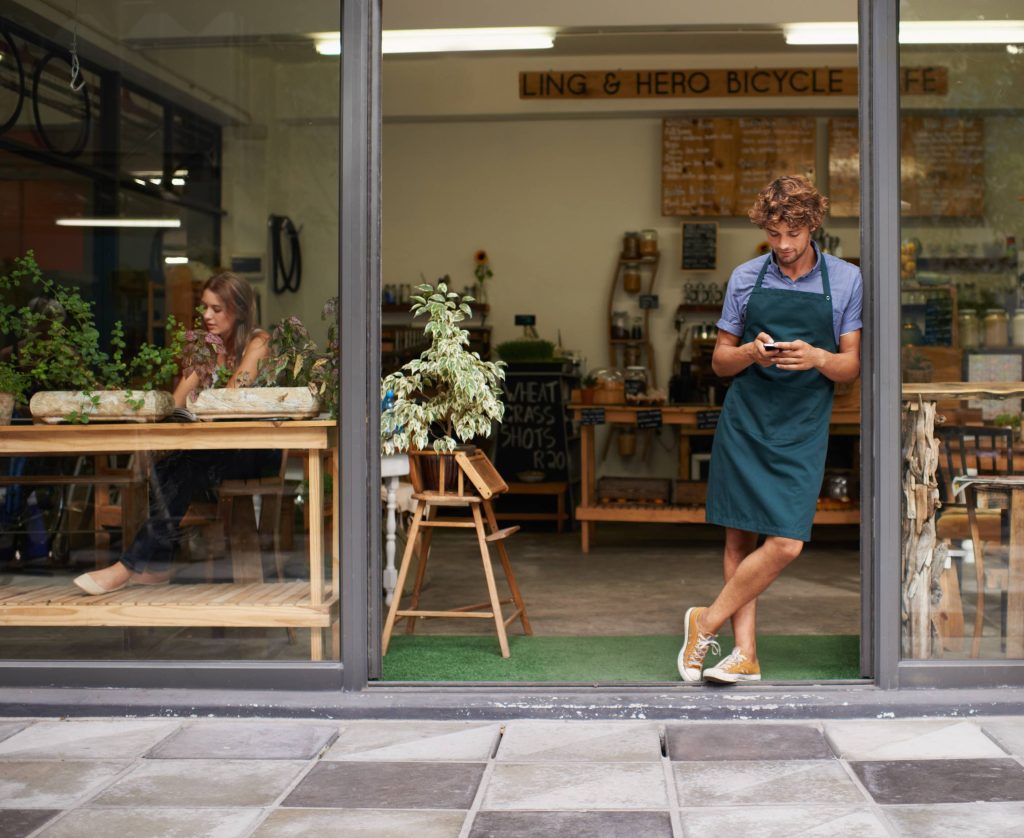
(174, 483)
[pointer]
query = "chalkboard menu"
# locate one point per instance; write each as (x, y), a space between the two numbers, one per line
(717, 165)
(700, 245)
(942, 166)
(533, 435)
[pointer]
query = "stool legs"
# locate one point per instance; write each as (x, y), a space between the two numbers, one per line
(421, 570)
(403, 571)
(506, 565)
(485, 556)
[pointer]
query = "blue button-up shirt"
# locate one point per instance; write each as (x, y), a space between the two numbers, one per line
(843, 278)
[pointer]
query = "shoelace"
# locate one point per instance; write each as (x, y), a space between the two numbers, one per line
(735, 658)
(705, 643)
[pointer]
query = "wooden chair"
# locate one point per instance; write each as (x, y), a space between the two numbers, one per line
(969, 450)
(467, 481)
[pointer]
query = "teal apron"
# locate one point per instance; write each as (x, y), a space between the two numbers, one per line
(768, 455)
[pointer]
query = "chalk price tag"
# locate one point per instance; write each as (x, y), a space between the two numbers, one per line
(592, 416)
(648, 418)
(707, 419)
(649, 301)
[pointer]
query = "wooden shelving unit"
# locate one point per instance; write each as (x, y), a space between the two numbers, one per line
(618, 348)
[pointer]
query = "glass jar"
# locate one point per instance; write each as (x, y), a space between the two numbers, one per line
(635, 382)
(636, 332)
(970, 329)
(648, 243)
(631, 353)
(620, 325)
(631, 278)
(631, 246)
(1018, 328)
(996, 328)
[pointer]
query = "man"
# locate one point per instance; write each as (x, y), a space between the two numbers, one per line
(790, 329)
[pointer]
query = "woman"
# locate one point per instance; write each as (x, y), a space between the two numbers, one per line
(229, 311)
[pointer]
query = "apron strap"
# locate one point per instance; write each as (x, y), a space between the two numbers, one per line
(764, 267)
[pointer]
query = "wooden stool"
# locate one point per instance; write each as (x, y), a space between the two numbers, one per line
(432, 493)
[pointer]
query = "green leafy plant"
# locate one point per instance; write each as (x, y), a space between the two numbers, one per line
(589, 380)
(58, 344)
(526, 349)
(448, 392)
(1007, 420)
(331, 384)
(13, 381)
(294, 360)
(200, 350)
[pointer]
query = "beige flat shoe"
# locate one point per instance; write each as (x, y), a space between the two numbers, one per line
(94, 588)
(149, 579)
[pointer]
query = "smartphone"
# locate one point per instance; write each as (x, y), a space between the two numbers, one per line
(770, 347)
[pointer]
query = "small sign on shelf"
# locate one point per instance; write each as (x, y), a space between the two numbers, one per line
(592, 416)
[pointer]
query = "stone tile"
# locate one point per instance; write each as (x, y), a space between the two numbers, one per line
(745, 740)
(576, 786)
(783, 822)
(361, 823)
(246, 740)
(899, 739)
(528, 741)
(954, 820)
(202, 783)
(571, 825)
(744, 782)
(8, 729)
(17, 823)
(101, 739)
(1007, 732)
(41, 784)
(942, 780)
(388, 785)
(412, 741)
(155, 823)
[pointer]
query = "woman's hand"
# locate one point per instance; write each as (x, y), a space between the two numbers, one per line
(798, 355)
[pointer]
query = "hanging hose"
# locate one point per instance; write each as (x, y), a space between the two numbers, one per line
(286, 277)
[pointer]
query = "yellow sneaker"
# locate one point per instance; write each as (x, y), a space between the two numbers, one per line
(696, 646)
(735, 667)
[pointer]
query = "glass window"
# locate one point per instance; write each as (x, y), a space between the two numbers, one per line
(189, 515)
(962, 329)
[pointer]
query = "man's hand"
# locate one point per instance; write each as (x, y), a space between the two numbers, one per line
(799, 355)
(759, 354)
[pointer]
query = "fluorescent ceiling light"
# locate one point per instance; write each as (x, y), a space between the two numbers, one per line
(913, 32)
(118, 222)
(450, 40)
(175, 260)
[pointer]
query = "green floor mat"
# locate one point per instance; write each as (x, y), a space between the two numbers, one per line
(605, 659)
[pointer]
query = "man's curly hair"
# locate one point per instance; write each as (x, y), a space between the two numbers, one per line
(790, 200)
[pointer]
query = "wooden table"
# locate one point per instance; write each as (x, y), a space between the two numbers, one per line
(921, 498)
(287, 605)
(685, 419)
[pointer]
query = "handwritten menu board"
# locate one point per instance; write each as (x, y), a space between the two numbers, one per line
(717, 165)
(700, 245)
(532, 436)
(942, 166)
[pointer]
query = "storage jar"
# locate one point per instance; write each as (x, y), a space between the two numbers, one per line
(648, 243)
(1018, 328)
(631, 277)
(996, 328)
(970, 329)
(631, 246)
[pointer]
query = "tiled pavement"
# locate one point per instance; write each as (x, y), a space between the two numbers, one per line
(421, 779)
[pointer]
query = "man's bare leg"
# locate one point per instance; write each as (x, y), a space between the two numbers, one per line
(752, 576)
(738, 545)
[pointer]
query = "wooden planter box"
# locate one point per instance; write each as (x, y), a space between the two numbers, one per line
(52, 406)
(256, 402)
(689, 492)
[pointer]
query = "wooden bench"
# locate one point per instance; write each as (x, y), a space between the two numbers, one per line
(557, 489)
(309, 604)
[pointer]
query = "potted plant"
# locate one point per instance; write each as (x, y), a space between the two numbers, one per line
(588, 386)
(289, 382)
(58, 348)
(13, 384)
(916, 367)
(449, 394)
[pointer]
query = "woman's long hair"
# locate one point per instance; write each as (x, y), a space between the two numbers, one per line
(237, 294)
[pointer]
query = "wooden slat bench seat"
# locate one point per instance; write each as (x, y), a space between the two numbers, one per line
(268, 605)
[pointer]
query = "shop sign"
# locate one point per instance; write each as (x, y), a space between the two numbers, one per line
(719, 83)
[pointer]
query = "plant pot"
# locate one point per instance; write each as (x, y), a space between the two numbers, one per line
(6, 408)
(587, 395)
(430, 470)
(54, 406)
(256, 402)
(919, 376)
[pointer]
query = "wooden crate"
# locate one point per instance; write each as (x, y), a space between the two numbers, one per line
(689, 492)
(634, 490)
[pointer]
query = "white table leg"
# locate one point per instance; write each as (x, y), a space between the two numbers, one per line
(390, 573)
